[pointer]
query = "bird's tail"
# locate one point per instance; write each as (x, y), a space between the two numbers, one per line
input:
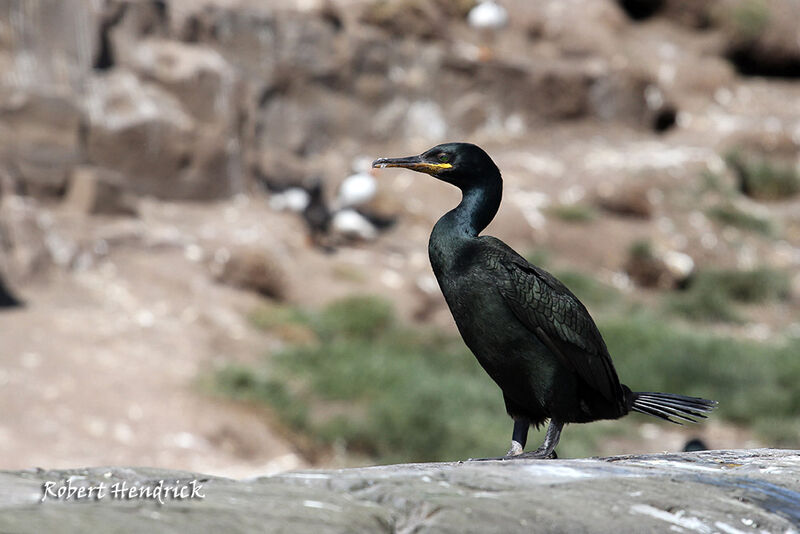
(668, 405)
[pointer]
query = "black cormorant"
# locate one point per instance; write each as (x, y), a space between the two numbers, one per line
(695, 445)
(7, 299)
(529, 332)
(316, 214)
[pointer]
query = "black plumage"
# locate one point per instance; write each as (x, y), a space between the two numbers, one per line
(7, 299)
(316, 214)
(695, 445)
(529, 332)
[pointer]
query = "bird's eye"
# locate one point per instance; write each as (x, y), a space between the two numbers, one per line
(444, 157)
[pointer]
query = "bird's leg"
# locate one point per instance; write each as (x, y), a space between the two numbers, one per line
(518, 437)
(547, 450)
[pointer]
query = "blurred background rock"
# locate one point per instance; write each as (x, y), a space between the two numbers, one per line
(207, 285)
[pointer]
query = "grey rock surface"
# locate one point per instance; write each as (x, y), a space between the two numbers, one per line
(181, 161)
(713, 491)
(93, 190)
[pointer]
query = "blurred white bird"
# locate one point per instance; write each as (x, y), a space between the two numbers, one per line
(679, 264)
(356, 189)
(488, 15)
(293, 199)
(350, 223)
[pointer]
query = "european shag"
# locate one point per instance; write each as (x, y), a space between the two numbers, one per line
(695, 445)
(317, 215)
(528, 331)
(7, 299)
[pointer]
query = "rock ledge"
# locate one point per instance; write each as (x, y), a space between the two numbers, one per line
(713, 491)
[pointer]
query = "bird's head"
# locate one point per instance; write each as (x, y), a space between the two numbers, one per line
(462, 164)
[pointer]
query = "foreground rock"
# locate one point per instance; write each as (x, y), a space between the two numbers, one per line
(714, 491)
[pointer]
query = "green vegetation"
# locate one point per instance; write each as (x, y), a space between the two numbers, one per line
(348, 273)
(750, 18)
(712, 295)
(246, 383)
(763, 179)
(357, 317)
(731, 215)
(713, 182)
(758, 285)
(269, 316)
(704, 304)
(577, 213)
(289, 324)
(396, 393)
(382, 389)
(750, 380)
(641, 249)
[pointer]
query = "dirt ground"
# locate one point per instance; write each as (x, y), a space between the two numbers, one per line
(84, 380)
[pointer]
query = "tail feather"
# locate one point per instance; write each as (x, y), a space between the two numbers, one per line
(658, 411)
(669, 406)
(691, 410)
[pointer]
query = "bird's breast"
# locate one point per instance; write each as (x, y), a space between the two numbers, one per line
(478, 309)
(512, 356)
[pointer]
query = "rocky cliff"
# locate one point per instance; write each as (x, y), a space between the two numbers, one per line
(194, 99)
(716, 491)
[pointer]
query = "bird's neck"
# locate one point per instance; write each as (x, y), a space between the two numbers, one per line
(460, 226)
(479, 205)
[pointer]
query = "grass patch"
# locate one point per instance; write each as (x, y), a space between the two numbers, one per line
(758, 285)
(712, 295)
(577, 213)
(748, 379)
(750, 18)
(270, 315)
(349, 273)
(704, 304)
(731, 215)
(410, 398)
(285, 322)
(641, 249)
(763, 179)
(404, 394)
(245, 383)
(396, 393)
(364, 317)
(715, 183)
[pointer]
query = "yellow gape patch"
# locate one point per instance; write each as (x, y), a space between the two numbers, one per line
(431, 168)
